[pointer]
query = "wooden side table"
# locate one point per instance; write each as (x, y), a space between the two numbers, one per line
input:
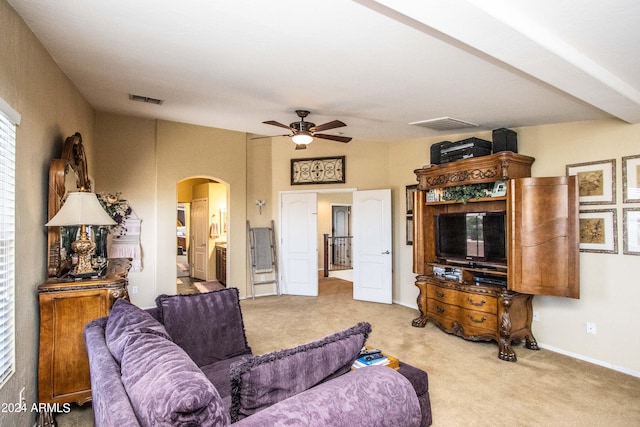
(66, 306)
(394, 362)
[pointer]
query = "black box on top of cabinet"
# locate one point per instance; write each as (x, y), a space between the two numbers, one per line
(435, 152)
(505, 140)
(467, 148)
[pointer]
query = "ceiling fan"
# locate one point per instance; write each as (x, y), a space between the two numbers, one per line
(302, 133)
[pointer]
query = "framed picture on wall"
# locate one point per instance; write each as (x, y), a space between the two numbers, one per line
(631, 237)
(599, 231)
(596, 181)
(409, 230)
(410, 190)
(631, 178)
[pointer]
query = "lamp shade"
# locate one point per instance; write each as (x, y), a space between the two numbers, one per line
(81, 208)
(302, 138)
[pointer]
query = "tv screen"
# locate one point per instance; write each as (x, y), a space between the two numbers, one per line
(474, 236)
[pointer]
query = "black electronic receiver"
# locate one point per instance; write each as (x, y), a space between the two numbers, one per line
(490, 281)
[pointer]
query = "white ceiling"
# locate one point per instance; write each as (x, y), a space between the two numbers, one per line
(376, 65)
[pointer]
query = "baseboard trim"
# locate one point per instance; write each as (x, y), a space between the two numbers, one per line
(260, 295)
(568, 353)
(590, 360)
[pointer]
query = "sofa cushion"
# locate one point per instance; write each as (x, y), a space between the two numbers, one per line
(208, 326)
(165, 387)
(261, 381)
(124, 320)
(218, 374)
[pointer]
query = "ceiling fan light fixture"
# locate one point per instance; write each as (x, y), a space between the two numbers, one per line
(302, 138)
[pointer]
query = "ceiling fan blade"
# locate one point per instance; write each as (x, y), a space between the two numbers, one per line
(271, 136)
(274, 123)
(330, 125)
(332, 137)
(301, 146)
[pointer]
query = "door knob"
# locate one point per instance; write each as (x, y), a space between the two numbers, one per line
(386, 253)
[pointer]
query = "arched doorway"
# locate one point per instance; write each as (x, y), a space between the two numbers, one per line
(201, 232)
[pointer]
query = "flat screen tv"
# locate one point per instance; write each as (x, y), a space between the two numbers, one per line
(475, 237)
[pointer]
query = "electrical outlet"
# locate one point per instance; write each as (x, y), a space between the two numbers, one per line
(134, 290)
(262, 278)
(536, 316)
(591, 328)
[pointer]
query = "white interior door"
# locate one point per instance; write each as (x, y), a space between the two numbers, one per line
(299, 243)
(200, 238)
(371, 221)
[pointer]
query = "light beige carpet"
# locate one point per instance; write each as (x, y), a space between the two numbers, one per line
(469, 385)
(208, 286)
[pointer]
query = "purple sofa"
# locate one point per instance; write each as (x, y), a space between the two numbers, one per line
(187, 363)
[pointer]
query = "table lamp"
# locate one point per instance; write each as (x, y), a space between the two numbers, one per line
(82, 208)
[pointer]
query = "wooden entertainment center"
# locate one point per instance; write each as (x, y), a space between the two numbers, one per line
(493, 301)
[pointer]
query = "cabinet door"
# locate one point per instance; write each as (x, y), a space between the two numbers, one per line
(543, 236)
(63, 373)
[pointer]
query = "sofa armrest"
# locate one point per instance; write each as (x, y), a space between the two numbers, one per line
(111, 405)
(371, 396)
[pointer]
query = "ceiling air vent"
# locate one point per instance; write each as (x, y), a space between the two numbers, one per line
(146, 99)
(444, 123)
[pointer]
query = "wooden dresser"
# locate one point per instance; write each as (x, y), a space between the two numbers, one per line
(66, 306)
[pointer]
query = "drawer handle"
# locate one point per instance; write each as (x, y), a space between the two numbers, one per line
(477, 304)
(439, 309)
(476, 320)
(440, 294)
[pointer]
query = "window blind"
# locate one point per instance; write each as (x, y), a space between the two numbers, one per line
(8, 121)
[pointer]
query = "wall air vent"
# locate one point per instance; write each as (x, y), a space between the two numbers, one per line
(444, 123)
(146, 99)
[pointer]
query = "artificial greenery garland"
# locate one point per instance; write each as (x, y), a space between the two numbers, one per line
(463, 193)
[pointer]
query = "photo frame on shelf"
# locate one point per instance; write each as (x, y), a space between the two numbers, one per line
(319, 170)
(499, 189)
(599, 231)
(410, 190)
(631, 179)
(631, 226)
(596, 181)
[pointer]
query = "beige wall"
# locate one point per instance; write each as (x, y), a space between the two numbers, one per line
(51, 109)
(259, 165)
(127, 164)
(366, 168)
(161, 154)
(609, 283)
(185, 189)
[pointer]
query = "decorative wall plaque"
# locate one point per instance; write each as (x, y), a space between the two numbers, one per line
(321, 170)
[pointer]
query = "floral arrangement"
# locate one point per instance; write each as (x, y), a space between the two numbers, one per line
(118, 209)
